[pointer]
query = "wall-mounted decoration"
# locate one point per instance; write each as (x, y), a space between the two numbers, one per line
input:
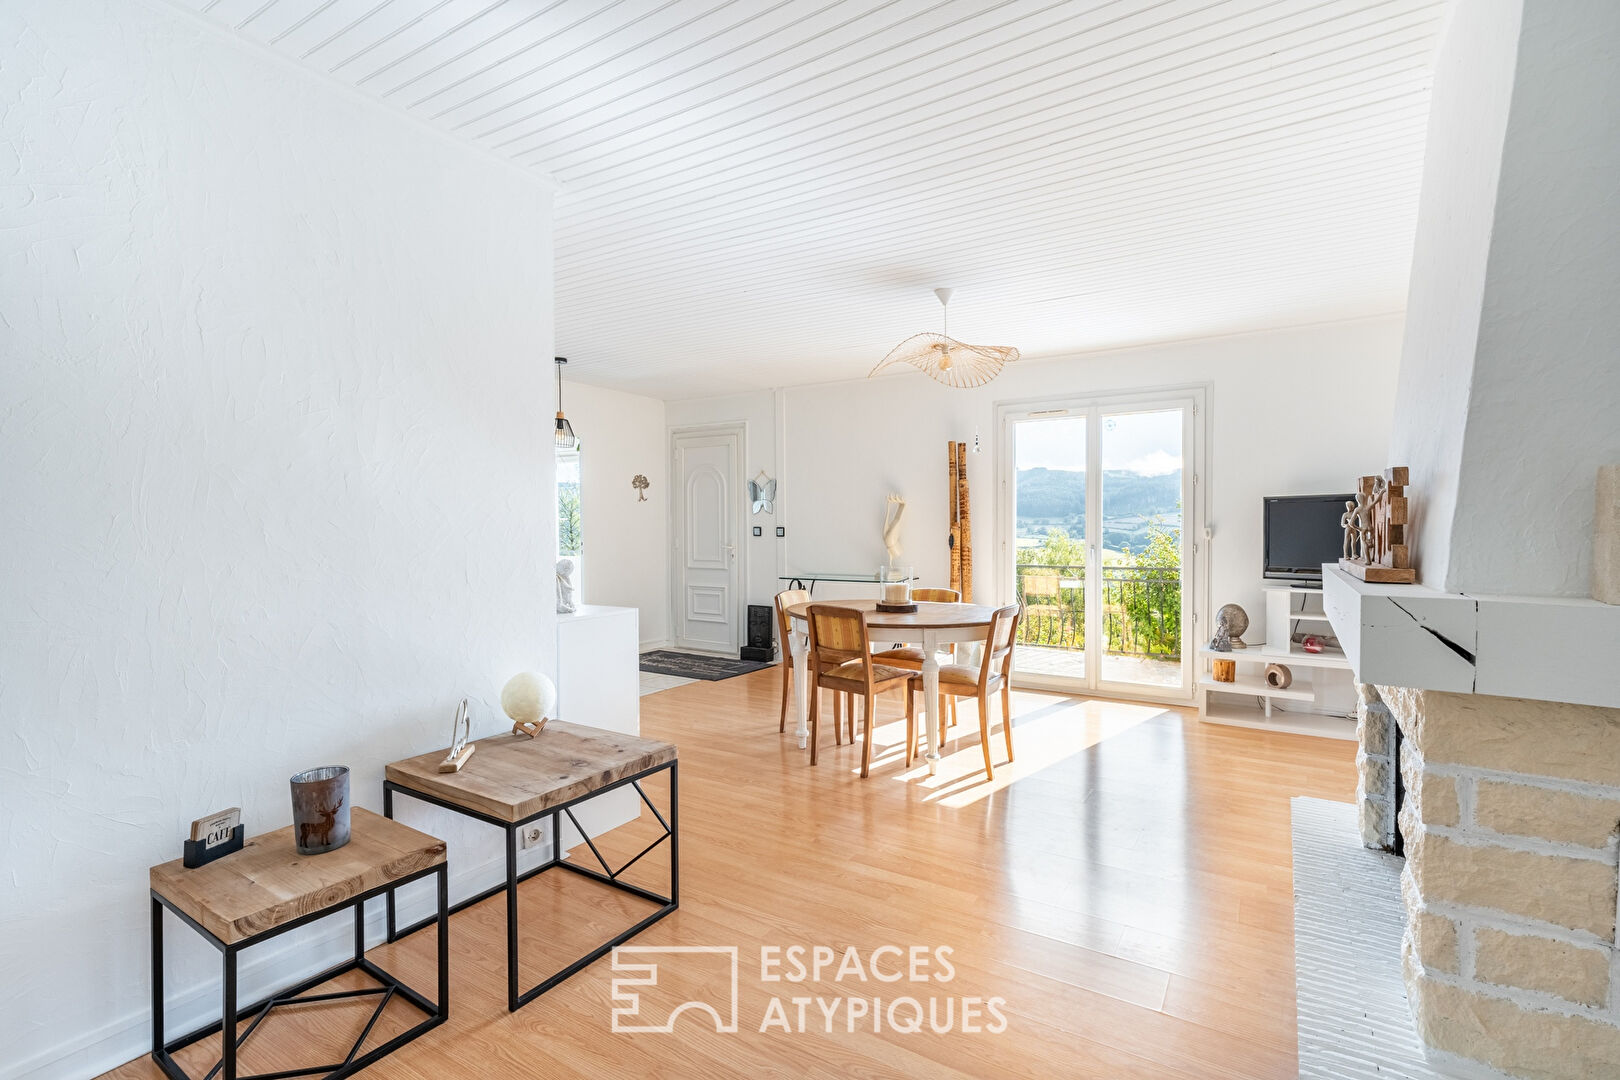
(1375, 545)
(567, 604)
(894, 508)
(1278, 677)
(758, 531)
(528, 698)
(762, 493)
(641, 485)
(460, 748)
(1236, 621)
(320, 801)
(213, 836)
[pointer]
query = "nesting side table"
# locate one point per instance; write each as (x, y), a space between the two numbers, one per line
(267, 889)
(513, 780)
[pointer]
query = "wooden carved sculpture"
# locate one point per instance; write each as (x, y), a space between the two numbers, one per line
(1375, 542)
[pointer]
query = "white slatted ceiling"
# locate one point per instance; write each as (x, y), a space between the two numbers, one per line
(764, 192)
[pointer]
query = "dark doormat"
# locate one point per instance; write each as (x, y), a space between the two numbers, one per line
(693, 666)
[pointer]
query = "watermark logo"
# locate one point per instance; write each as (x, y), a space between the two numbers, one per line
(903, 990)
(627, 1015)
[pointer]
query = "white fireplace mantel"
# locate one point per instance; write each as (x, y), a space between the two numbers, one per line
(1543, 648)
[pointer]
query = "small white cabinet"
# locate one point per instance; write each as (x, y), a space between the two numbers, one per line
(599, 684)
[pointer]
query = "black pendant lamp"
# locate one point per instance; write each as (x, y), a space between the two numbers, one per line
(566, 440)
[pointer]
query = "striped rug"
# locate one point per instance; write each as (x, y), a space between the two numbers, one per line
(1348, 922)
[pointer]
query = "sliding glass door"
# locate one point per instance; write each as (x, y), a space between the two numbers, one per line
(1098, 553)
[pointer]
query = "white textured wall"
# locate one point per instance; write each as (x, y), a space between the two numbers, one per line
(1468, 116)
(626, 540)
(1544, 413)
(1509, 381)
(1286, 418)
(274, 476)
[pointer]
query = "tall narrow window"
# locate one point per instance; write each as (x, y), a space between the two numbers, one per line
(570, 522)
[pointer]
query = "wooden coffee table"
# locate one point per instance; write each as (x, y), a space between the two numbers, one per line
(267, 889)
(513, 780)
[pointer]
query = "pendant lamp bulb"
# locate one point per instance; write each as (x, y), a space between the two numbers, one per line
(566, 440)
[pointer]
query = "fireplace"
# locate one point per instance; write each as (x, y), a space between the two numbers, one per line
(1508, 811)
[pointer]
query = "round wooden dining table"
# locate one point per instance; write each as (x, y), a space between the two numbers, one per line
(931, 626)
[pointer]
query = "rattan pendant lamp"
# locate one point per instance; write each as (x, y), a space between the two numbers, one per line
(947, 360)
(566, 439)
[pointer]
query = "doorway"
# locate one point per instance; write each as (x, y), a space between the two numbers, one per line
(1098, 507)
(706, 519)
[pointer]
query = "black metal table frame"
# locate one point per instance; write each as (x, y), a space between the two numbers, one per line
(163, 1049)
(515, 998)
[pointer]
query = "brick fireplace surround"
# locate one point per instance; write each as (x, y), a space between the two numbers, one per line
(1510, 820)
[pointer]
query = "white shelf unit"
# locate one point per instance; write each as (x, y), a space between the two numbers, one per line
(1281, 614)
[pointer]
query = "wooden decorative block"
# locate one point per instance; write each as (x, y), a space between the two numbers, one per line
(1398, 475)
(1606, 537)
(1380, 575)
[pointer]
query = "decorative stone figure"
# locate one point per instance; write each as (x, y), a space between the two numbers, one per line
(893, 511)
(566, 602)
(1222, 641)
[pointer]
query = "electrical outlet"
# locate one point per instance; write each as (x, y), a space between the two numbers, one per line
(531, 836)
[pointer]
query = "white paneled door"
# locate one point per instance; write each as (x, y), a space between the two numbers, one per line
(708, 584)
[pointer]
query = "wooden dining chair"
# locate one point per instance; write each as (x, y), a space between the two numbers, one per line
(910, 657)
(993, 674)
(841, 661)
(785, 599)
(784, 626)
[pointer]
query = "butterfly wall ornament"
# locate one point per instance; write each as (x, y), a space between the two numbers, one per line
(762, 493)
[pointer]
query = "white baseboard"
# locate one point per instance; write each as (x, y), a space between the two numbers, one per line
(649, 646)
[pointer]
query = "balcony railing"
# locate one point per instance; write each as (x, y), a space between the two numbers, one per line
(1141, 609)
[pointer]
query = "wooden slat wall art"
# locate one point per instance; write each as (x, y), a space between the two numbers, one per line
(961, 537)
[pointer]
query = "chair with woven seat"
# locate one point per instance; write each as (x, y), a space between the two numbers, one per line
(994, 673)
(784, 626)
(841, 661)
(910, 657)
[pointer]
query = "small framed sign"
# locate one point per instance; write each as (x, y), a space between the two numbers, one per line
(212, 836)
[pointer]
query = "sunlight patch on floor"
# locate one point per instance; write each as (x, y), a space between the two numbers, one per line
(1043, 735)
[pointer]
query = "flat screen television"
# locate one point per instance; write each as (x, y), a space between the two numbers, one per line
(1302, 533)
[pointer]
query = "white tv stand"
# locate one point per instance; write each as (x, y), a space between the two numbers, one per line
(1285, 606)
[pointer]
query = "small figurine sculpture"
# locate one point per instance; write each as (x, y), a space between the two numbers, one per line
(1222, 641)
(460, 748)
(566, 603)
(893, 511)
(1375, 547)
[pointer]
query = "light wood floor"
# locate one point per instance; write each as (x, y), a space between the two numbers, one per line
(1125, 888)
